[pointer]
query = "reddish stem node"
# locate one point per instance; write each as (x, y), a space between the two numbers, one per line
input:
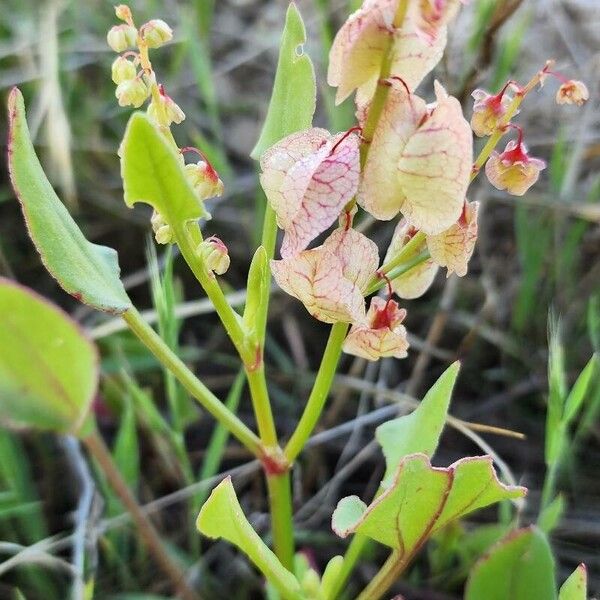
(274, 464)
(258, 357)
(348, 215)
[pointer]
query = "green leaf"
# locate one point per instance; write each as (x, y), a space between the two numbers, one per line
(331, 573)
(593, 321)
(580, 389)
(48, 367)
(152, 173)
(419, 431)
(259, 277)
(420, 500)
(551, 515)
(477, 541)
(222, 517)
(87, 271)
(294, 94)
(557, 386)
(520, 567)
(126, 449)
(575, 587)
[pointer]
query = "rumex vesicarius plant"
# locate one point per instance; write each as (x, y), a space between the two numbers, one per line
(405, 159)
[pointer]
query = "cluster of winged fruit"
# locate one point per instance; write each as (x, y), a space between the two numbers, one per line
(406, 157)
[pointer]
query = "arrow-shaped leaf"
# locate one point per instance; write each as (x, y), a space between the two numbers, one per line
(222, 517)
(419, 431)
(87, 271)
(422, 499)
(294, 92)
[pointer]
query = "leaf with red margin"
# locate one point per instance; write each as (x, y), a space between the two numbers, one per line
(48, 366)
(575, 587)
(420, 500)
(87, 271)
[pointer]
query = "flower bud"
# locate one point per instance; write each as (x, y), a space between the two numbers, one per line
(122, 37)
(162, 231)
(488, 111)
(123, 12)
(213, 252)
(166, 111)
(572, 92)
(122, 70)
(132, 92)
(156, 33)
(204, 179)
(513, 170)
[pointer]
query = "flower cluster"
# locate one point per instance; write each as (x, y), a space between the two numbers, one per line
(407, 158)
(136, 82)
(131, 70)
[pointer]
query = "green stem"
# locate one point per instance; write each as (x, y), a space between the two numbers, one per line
(261, 403)
(191, 383)
(411, 248)
(282, 525)
(333, 350)
(319, 393)
(278, 484)
(188, 237)
(549, 486)
(387, 575)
